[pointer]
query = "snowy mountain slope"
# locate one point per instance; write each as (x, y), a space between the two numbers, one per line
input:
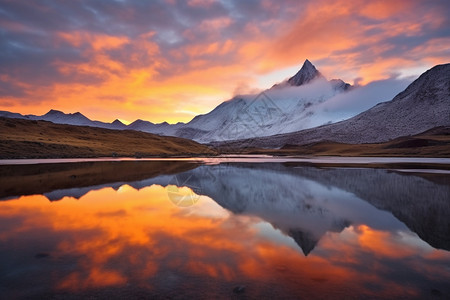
(289, 106)
(423, 105)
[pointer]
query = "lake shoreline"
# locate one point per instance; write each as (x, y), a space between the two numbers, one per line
(418, 163)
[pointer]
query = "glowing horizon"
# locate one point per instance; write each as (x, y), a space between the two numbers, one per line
(170, 60)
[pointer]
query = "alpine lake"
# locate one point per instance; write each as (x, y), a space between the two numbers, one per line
(225, 228)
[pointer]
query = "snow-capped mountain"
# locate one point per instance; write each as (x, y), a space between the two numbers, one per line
(306, 74)
(423, 105)
(289, 106)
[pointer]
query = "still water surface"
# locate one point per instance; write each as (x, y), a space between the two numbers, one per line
(227, 230)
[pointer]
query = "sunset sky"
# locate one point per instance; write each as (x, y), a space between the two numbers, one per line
(169, 60)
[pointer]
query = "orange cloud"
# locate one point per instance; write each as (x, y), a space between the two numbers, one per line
(96, 41)
(382, 9)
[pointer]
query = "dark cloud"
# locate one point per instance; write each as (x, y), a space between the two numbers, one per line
(29, 34)
(8, 90)
(36, 64)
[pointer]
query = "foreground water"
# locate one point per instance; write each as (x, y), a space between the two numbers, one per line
(231, 229)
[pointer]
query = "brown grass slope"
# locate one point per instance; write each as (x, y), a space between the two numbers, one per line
(431, 143)
(41, 139)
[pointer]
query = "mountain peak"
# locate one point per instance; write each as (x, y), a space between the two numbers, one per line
(307, 73)
(308, 64)
(117, 122)
(139, 122)
(53, 112)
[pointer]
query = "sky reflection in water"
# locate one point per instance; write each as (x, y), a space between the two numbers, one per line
(314, 240)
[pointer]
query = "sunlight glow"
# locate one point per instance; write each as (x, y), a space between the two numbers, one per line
(145, 70)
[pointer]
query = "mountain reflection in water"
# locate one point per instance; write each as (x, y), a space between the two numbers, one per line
(259, 230)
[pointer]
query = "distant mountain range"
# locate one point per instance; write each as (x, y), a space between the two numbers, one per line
(296, 112)
(79, 119)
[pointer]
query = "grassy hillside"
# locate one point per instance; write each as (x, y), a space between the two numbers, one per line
(40, 139)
